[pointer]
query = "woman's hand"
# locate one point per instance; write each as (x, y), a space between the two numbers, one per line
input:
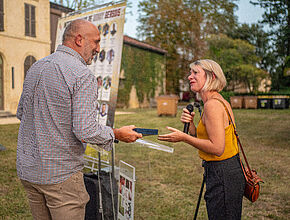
(186, 116)
(175, 136)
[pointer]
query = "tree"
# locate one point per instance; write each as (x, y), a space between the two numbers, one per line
(255, 35)
(277, 16)
(238, 61)
(180, 27)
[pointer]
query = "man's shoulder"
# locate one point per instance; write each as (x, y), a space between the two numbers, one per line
(67, 62)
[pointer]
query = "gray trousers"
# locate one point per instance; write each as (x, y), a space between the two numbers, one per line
(225, 184)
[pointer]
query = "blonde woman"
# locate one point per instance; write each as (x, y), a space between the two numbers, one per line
(215, 139)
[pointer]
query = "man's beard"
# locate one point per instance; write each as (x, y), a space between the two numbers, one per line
(89, 54)
(92, 55)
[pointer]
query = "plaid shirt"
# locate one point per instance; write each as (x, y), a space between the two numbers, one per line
(57, 109)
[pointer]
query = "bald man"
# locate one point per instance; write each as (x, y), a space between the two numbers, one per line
(57, 110)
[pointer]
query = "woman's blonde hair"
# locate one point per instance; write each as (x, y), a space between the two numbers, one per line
(211, 69)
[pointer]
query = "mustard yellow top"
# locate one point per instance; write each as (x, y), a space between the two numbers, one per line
(231, 145)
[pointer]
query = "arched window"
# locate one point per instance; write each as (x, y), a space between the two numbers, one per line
(29, 60)
(1, 84)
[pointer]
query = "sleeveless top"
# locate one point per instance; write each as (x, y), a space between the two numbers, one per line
(231, 145)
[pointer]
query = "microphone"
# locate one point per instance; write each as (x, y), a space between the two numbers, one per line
(186, 125)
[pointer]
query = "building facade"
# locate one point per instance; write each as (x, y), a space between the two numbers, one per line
(24, 38)
(28, 33)
(143, 74)
(56, 11)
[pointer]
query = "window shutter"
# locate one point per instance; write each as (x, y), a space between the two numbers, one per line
(32, 24)
(27, 31)
(1, 15)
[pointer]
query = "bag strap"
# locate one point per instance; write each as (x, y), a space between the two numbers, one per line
(236, 133)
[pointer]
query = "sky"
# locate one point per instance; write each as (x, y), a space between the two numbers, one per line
(247, 13)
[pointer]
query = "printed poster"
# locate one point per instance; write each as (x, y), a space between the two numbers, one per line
(106, 65)
(126, 191)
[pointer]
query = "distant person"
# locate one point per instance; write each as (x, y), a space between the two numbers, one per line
(215, 139)
(57, 109)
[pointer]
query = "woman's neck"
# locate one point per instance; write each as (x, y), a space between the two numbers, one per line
(207, 95)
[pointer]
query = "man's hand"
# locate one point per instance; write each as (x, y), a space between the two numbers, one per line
(126, 134)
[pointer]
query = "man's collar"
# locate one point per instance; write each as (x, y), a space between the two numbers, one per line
(70, 51)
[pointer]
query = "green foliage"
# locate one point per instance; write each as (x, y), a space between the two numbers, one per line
(143, 69)
(238, 61)
(255, 35)
(180, 27)
(227, 95)
(277, 16)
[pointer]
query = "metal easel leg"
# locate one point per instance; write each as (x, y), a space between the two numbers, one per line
(199, 197)
(100, 187)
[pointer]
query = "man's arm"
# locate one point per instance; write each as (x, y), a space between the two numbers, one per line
(84, 113)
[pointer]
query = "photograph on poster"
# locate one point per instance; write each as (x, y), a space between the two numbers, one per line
(102, 55)
(128, 211)
(99, 86)
(106, 28)
(122, 183)
(103, 110)
(125, 195)
(100, 29)
(99, 81)
(121, 207)
(107, 82)
(113, 28)
(110, 55)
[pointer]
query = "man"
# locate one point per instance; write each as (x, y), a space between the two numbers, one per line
(57, 110)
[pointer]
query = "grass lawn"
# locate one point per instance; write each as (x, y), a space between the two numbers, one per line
(168, 184)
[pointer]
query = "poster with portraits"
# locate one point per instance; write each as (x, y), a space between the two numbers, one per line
(126, 192)
(106, 64)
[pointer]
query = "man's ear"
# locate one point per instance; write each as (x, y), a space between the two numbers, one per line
(79, 40)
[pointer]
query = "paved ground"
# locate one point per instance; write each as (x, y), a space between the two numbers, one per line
(9, 120)
(14, 120)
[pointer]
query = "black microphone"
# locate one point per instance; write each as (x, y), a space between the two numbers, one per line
(186, 125)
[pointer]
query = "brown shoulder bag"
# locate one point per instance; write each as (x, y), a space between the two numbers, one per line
(252, 188)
